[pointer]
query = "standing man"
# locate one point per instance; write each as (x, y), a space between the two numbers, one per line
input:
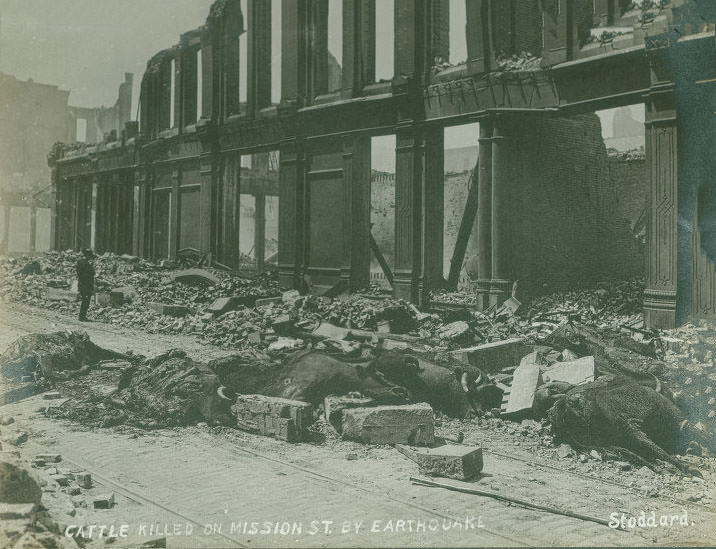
(85, 282)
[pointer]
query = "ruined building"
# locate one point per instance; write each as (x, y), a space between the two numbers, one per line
(274, 77)
(34, 116)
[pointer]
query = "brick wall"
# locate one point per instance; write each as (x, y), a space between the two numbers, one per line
(631, 180)
(565, 231)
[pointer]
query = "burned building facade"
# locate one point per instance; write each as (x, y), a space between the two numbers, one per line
(244, 86)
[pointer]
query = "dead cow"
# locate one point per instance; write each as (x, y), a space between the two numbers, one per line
(309, 376)
(618, 412)
(454, 391)
(56, 356)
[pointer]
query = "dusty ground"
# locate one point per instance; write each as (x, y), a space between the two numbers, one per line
(213, 480)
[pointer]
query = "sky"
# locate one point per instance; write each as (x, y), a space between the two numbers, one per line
(86, 46)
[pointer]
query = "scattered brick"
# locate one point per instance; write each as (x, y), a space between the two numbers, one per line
(103, 502)
(271, 416)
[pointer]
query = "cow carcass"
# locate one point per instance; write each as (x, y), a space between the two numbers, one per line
(390, 378)
(456, 391)
(56, 356)
(309, 376)
(171, 389)
(618, 412)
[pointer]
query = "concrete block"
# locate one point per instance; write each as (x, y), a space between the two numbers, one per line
(454, 330)
(84, 480)
(272, 416)
(452, 461)
(521, 395)
(492, 357)
(17, 511)
(103, 502)
(58, 294)
(225, 304)
(169, 310)
(120, 296)
(265, 301)
(102, 299)
(408, 424)
(333, 407)
(575, 372)
(330, 331)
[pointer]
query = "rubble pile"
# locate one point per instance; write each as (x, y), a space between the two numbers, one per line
(140, 294)
(168, 390)
(689, 353)
(144, 282)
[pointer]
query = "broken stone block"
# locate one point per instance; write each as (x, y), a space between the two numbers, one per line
(575, 372)
(57, 294)
(103, 502)
(493, 357)
(454, 330)
(290, 297)
(62, 480)
(283, 325)
(195, 277)
(280, 418)
(18, 485)
(452, 461)
(521, 395)
(255, 338)
(52, 395)
(17, 511)
(564, 450)
(49, 458)
(84, 480)
(265, 301)
(333, 407)
(392, 345)
(120, 296)
(408, 424)
(7, 420)
(285, 344)
(225, 304)
(169, 310)
(330, 331)
(508, 308)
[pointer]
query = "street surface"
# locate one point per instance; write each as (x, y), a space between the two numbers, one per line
(203, 486)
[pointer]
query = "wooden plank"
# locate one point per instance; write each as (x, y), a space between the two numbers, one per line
(463, 233)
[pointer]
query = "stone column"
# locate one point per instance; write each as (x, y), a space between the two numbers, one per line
(500, 283)
(291, 234)
(409, 177)
(662, 235)
(93, 216)
(54, 179)
(433, 201)
(484, 215)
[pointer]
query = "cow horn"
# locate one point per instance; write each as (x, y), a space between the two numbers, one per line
(463, 382)
(220, 392)
(478, 380)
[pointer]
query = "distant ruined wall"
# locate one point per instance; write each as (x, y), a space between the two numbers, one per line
(565, 231)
